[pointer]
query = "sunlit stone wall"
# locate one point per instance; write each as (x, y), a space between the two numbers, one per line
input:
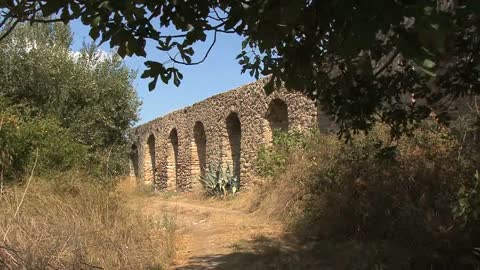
(172, 151)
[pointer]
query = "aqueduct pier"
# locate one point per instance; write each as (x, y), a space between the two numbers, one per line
(171, 152)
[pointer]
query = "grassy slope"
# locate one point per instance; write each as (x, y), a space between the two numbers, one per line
(367, 206)
(69, 223)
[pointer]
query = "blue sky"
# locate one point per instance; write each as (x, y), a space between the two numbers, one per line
(219, 73)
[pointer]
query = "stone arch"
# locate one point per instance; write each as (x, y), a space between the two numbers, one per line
(134, 161)
(172, 160)
(234, 133)
(149, 160)
(199, 153)
(277, 118)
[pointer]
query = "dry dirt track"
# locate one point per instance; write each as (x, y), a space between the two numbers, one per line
(212, 234)
(223, 234)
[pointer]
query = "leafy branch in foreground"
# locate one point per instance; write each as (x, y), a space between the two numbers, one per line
(360, 60)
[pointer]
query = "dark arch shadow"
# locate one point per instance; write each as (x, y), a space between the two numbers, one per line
(234, 132)
(200, 158)
(277, 115)
(150, 158)
(172, 160)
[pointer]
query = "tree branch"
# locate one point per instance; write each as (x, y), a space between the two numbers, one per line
(389, 61)
(204, 57)
(9, 30)
(5, 19)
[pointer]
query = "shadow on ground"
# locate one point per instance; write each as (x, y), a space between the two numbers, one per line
(265, 253)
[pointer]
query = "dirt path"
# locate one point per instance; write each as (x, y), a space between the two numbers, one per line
(212, 234)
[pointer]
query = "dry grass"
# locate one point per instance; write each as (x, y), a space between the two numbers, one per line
(67, 223)
(395, 206)
(282, 196)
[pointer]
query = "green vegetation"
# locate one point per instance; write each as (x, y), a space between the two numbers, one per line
(272, 159)
(64, 123)
(359, 60)
(219, 181)
(75, 109)
(375, 203)
(467, 208)
(21, 138)
(382, 201)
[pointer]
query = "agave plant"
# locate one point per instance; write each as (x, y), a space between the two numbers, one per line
(210, 179)
(218, 181)
(234, 184)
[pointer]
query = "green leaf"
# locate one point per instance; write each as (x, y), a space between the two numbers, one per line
(94, 33)
(245, 43)
(131, 47)
(427, 71)
(188, 51)
(428, 63)
(122, 50)
(231, 22)
(96, 21)
(176, 80)
(152, 84)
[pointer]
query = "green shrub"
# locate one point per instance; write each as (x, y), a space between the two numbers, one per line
(22, 139)
(467, 208)
(57, 147)
(75, 110)
(398, 195)
(9, 140)
(218, 181)
(271, 159)
(22, 136)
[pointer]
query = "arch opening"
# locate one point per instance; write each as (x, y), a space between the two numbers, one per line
(172, 160)
(199, 153)
(234, 132)
(277, 117)
(149, 160)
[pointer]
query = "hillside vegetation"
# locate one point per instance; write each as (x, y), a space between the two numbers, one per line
(64, 144)
(74, 107)
(374, 203)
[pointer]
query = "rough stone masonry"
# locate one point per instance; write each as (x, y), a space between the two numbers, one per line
(172, 152)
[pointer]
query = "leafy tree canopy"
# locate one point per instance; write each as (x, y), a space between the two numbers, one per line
(359, 59)
(75, 107)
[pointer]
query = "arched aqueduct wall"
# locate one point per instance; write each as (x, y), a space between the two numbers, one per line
(171, 152)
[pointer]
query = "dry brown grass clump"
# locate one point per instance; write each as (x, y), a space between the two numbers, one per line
(68, 223)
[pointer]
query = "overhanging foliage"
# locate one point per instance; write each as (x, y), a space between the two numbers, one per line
(359, 59)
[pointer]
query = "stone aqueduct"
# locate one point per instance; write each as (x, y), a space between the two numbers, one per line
(172, 151)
